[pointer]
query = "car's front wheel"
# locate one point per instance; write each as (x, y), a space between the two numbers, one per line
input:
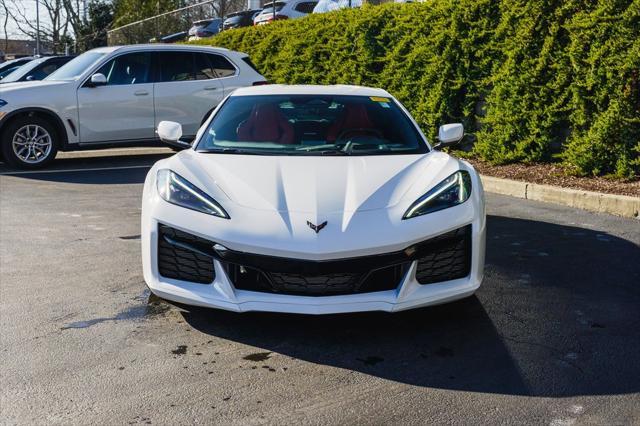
(29, 142)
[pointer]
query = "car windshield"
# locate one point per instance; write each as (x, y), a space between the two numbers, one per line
(8, 71)
(268, 8)
(23, 70)
(201, 24)
(311, 125)
(73, 69)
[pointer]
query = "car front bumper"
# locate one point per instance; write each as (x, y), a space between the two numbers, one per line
(247, 233)
(221, 292)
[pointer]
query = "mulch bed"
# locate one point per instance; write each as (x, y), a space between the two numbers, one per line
(552, 174)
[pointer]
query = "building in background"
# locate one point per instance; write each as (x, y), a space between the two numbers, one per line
(18, 48)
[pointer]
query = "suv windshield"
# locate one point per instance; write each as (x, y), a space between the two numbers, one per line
(76, 67)
(311, 125)
(268, 8)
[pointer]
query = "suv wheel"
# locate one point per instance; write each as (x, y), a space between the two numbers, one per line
(29, 143)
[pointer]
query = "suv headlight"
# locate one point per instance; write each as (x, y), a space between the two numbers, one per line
(452, 191)
(3, 103)
(175, 189)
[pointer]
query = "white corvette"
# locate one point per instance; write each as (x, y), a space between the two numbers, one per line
(315, 200)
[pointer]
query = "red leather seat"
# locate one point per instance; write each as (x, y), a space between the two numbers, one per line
(266, 123)
(354, 116)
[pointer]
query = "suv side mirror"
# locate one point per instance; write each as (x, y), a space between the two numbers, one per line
(98, 80)
(449, 134)
(170, 133)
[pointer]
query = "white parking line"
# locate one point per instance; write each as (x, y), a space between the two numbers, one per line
(95, 169)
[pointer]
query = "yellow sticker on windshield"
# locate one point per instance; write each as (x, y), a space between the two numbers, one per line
(379, 99)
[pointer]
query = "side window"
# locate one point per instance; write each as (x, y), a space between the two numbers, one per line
(132, 68)
(306, 7)
(221, 66)
(175, 66)
(42, 71)
(203, 68)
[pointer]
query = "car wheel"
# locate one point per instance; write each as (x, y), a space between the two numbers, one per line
(29, 143)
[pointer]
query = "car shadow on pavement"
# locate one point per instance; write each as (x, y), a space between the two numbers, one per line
(557, 315)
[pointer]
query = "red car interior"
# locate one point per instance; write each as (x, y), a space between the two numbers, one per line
(266, 123)
(355, 116)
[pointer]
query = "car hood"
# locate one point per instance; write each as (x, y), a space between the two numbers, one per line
(8, 89)
(315, 185)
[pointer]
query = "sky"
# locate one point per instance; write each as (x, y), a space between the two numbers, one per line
(29, 8)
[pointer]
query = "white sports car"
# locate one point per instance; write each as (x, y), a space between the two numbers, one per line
(315, 200)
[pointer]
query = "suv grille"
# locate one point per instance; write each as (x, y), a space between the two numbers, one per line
(450, 260)
(183, 256)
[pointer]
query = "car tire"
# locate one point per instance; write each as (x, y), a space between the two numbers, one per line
(29, 142)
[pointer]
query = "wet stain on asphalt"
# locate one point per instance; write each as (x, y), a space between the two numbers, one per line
(258, 357)
(371, 360)
(151, 308)
(180, 350)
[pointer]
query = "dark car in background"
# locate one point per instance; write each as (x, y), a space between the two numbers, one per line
(205, 28)
(8, 67)
(240, 19)
(37, 69)
(174, 38)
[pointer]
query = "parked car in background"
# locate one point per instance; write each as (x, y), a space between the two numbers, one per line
(284, 10)
(174, 38)
(8, 67)
(115, 96)
(36, 69)
(324, 6)
(240, 19)
(205, 28)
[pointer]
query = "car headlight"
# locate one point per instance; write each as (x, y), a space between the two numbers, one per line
(3, 103)
(175, 189)
(452, 191)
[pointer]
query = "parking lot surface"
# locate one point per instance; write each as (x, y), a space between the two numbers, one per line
(552, 336)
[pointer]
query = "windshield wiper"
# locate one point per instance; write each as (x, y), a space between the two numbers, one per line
(223, 150)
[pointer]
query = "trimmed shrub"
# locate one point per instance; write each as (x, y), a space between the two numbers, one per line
(532, 80)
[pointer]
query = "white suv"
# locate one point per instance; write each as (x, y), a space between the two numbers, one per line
(116, 96)
(289, 9)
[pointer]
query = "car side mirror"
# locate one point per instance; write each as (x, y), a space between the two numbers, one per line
(98, 80)
(449, 135)
(170, 133)
(29, 78)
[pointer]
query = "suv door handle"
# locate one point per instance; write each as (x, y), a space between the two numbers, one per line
(211, 88)
(141, 93)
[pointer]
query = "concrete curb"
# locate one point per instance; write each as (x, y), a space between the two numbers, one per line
(619, 205)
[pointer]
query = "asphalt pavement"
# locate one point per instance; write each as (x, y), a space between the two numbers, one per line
(552, 337)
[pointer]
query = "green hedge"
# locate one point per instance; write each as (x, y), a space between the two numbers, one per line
(533, 80)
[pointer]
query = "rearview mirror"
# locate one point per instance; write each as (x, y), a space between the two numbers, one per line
(170, 133)
(449, 134)
(98, 80)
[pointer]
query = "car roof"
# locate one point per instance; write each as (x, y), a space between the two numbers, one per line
(308, 89)
(151, 46)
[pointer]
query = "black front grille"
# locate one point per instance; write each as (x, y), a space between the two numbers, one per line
(190, 258)
(183, 256)
(316, 284)
(449, 258)
(319, 284)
